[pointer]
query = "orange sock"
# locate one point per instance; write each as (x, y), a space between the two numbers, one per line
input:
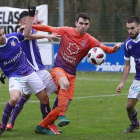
(51, 117)
(62, 101)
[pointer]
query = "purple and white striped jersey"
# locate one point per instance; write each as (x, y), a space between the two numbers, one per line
(132, 48)
(30, 48)
(12, 59)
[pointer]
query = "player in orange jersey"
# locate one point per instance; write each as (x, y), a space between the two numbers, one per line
(74, 46)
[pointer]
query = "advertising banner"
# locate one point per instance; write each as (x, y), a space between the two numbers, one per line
(113, 63)
(9, 18)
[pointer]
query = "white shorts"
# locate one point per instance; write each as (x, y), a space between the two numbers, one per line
(46, 77)
(134, 91)
(31, 81)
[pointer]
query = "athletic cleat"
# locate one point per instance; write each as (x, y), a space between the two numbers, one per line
(52, 127)
(2, 129)
(131, 128)
(9, 127)
(41, 130)
(63, 121)
(57, 129)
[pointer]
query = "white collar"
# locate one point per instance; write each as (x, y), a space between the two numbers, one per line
(137, 39)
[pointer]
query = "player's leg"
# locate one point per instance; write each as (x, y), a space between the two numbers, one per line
(38, 88)
(133, 97)
(45, 76)
(70, 93)
(132, 114)
(60, 78)
(15, 88)
(18, 108)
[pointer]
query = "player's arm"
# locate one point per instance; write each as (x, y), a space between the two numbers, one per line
(44, 28)
(126, 71)
(110, 50)
(28, 26)
(38, 36)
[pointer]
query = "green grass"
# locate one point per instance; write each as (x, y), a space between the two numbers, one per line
(96, 112)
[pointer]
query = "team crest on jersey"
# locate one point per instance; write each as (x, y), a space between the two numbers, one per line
(83, 43)
(13, 43)
(129, 47)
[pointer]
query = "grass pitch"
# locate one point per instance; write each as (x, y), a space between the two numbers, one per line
(96, 112)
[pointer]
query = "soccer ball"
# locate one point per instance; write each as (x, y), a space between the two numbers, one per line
(96, 56)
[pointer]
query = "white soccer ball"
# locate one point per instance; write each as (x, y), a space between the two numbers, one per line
(96, 56)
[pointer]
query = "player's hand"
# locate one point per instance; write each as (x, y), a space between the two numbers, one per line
(117, 46)
(31, 10)
(2, 78)
(120, 86)
(52, 36)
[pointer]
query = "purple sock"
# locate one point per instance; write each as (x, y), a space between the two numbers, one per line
(6, 114)
(133, 118)
(17, 109)
(55, 103)
(45, 110)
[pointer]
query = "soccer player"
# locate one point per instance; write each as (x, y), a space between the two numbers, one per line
(131, 48)
(74, 46)
(30, 48)
(20, 73)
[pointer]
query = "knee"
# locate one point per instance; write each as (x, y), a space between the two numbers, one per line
(65, 85)
(129, 108)
(13, 101)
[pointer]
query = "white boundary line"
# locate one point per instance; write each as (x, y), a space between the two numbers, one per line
(113, 95)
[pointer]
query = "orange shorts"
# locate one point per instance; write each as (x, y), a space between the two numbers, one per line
(58, 73)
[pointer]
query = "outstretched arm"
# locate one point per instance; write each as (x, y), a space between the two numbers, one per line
(44, 28)
(110, 50)
(38, 36)
(126, 70)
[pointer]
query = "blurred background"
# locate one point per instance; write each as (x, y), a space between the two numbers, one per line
(108, 17)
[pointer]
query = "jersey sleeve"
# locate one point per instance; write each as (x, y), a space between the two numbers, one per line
(126, 52)
(18, 35)
(44, 28)
(59, 30)
(94, 42)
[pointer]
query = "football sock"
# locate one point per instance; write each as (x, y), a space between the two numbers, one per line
(62, 101)
(55, 103)
(45, 109)
(17, 109)
(133, 118)
(51, 117)
(6, 114)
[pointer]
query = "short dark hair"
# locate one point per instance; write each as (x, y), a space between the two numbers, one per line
(133, 19)
(23, 14)
(83, 15)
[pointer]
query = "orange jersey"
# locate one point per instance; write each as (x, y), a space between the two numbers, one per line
(73, 48)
